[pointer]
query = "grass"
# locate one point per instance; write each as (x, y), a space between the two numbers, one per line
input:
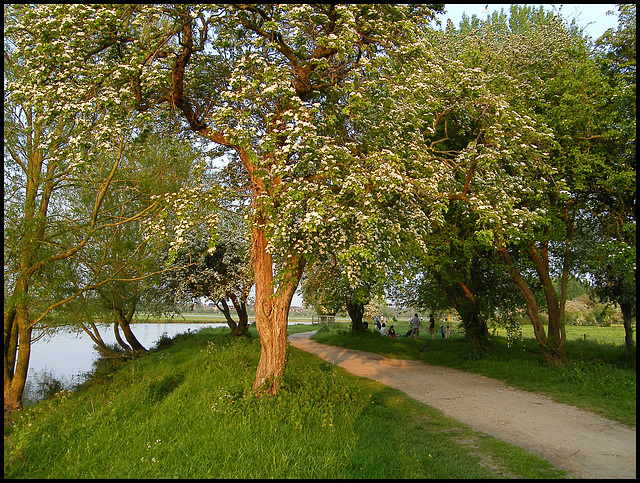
(186, 410)
(600, 376)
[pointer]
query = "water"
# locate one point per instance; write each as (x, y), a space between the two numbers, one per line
(68, 355)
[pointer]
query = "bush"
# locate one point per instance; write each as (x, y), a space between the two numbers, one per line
(579, 312)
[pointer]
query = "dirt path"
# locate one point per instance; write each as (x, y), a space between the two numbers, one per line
(581, 442)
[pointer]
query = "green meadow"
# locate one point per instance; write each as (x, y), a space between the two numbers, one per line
(186, 410)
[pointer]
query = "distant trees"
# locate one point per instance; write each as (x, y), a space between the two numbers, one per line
(215, 269)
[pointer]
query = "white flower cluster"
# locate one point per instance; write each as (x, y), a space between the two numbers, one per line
(178, 213)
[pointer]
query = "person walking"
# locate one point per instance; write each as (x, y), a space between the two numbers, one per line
(432, 326)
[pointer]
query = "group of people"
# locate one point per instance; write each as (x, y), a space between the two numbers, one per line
(415, 327)
(380, 325)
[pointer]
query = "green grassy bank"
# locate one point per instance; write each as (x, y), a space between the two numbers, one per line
(600, 375)
(186, 411)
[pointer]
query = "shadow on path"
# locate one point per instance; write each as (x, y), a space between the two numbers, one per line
(581, 442)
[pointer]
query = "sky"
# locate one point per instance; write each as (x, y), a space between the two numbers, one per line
(592, 16)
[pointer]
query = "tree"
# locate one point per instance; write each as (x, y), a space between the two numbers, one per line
(326, 287)
(143, 176)
(559, 86)
(455, 263)
(62, 188)
(39, 233)
(216, 270)
(614, 280)
(340, 116)
(269, 85)
(615, 193)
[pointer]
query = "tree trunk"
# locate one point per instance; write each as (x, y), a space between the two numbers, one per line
(10, 344)
(627, 314)
(15, 377)
(224, 308)
(131, 338)
(550, 354)
(17, 346)
(475, 327)
(271, 310)
(125, 324)
(243, 318)
(356, 312)
(116, 332)
(556, 335)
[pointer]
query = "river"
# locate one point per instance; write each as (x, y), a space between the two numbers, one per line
(67, 355)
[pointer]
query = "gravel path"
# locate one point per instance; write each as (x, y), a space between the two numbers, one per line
(581, 442)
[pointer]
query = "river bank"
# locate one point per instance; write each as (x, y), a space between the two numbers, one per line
(65, 357)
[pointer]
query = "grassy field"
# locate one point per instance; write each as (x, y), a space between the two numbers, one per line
(186, 411)
(600, 375)
(613, 335)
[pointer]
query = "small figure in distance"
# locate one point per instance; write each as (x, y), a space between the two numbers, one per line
(392, 333)
(415, 322)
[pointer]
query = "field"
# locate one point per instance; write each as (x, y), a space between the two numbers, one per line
(212, 318)
(613, 335)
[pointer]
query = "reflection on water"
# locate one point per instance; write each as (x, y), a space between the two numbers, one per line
(67, 355)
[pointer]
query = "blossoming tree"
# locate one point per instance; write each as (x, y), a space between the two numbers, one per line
(341, 116)
(560, 86)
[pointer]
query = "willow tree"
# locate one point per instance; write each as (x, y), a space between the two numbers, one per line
(66, 187)
(41, 233)
(339, 116)
(143, 175)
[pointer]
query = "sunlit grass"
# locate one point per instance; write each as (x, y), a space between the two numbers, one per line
(187, 411)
